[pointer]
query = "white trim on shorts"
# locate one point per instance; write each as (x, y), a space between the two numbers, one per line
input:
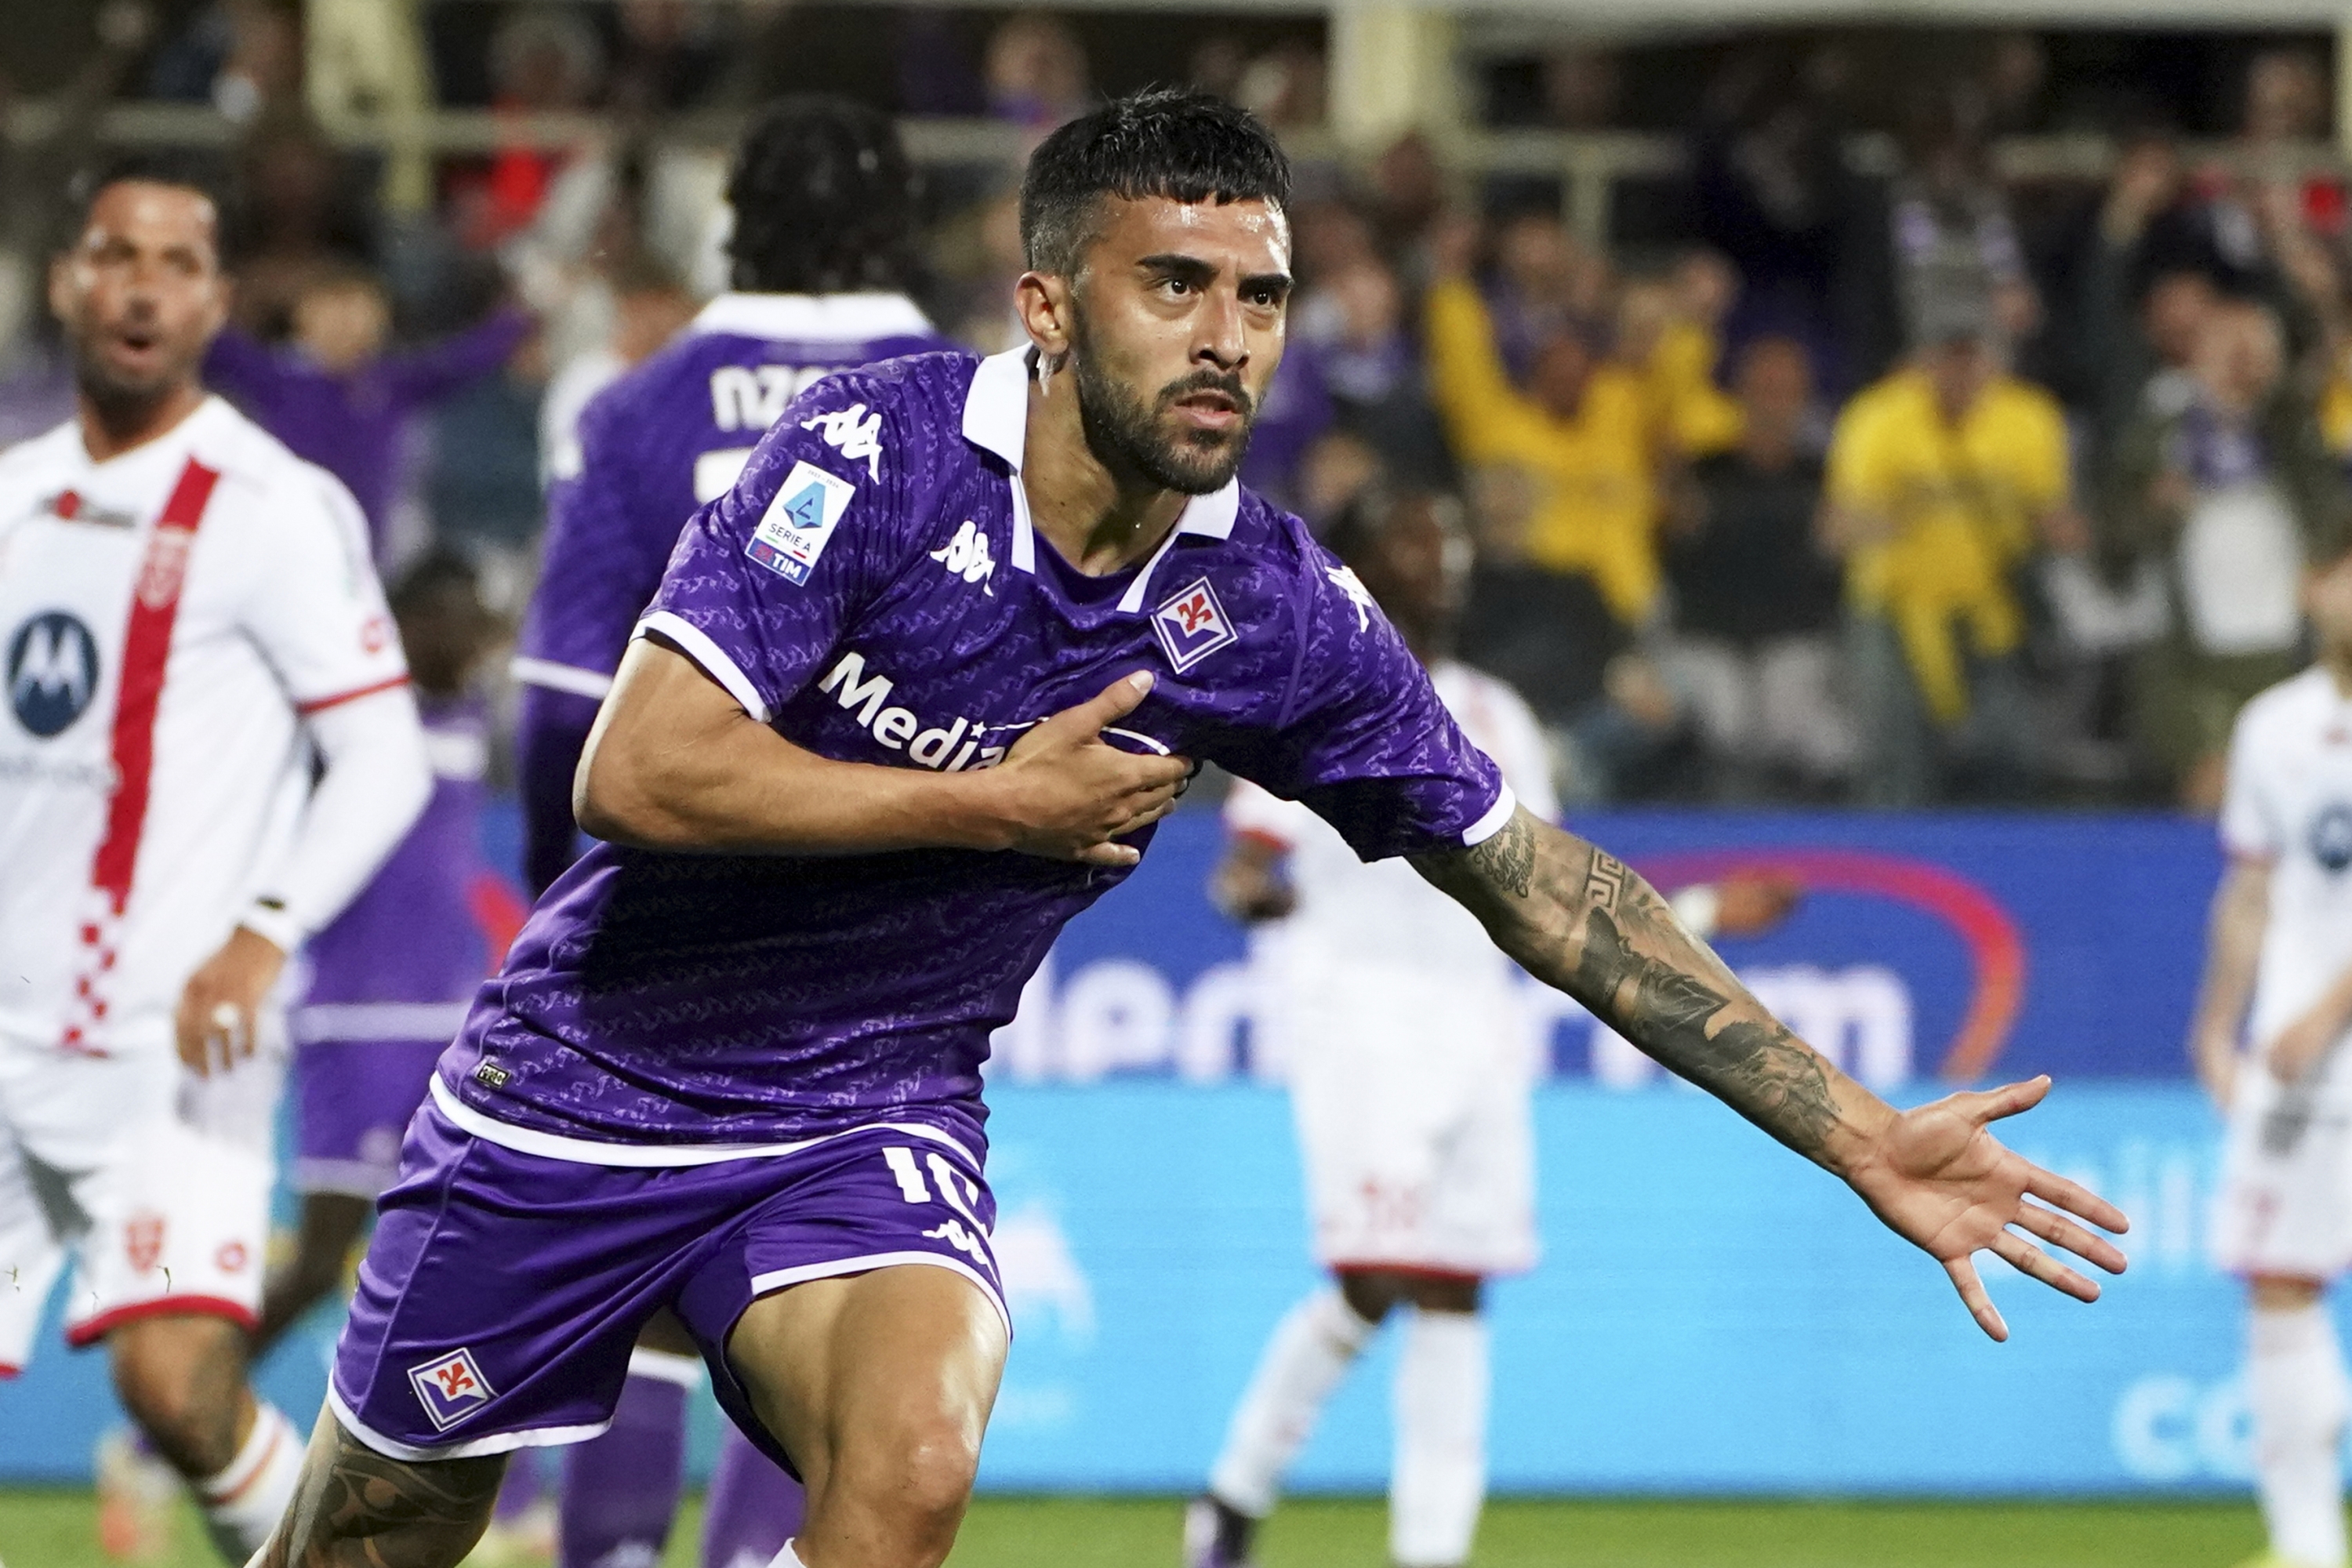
(419, 1023)
(466, 1448)
(657, 1157)
(784, 1279)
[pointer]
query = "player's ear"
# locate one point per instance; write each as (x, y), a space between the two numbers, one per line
(1043, 301)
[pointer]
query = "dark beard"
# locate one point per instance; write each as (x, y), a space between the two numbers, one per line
(1124, 433)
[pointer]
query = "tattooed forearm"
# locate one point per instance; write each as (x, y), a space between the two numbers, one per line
(1581, 919)
(1604, 880)
(1751, 1064)
(355, 1509)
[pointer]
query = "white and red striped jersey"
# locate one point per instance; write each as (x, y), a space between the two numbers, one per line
(167, 617)
(1383, 912)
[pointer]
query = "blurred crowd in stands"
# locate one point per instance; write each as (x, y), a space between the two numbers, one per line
(1865, 475)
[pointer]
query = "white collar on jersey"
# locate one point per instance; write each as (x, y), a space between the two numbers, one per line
(814, 318)
(996, 419)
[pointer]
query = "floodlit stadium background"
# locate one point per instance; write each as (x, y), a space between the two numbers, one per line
(1711, 1319)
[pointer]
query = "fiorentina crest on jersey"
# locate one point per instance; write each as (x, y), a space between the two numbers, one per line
(1191, 625)
(450, 1388)
(799, 523)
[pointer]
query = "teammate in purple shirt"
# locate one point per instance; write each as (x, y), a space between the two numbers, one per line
(823, 249)
(912, 694)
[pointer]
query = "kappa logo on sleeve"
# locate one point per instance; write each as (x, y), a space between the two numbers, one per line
(799, 523)
(853, 432)
(1344, 579)
(1191, 625)
(450, 1388)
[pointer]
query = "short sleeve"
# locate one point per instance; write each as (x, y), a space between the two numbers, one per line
(765, 579)
(315, 608)
(607, 541)
(1364, 741)
(2250, 824)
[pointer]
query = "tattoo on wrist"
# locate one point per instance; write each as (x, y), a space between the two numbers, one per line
(1754, 1066)
(1507, 859)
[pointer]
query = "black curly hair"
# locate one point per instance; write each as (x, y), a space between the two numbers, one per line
(824, 201)
(1185, 145)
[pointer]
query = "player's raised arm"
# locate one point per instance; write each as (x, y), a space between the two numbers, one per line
(1581, 920)
(676, 763)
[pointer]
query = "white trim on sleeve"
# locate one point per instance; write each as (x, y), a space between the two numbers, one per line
(713, 659)
(568, 677)
(1491, 823)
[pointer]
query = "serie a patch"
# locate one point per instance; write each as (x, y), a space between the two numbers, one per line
(800, 522)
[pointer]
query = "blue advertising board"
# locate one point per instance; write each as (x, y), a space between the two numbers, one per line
(1711, 1314)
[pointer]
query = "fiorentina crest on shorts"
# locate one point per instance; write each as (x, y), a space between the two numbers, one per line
(1191, 625)
(451, 1387)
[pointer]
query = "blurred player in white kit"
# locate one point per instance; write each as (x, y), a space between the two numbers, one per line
(192, 632)
(1410, 1063)
(2279, 966)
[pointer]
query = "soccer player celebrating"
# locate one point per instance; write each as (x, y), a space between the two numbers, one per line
(191, 626)
(2279, 965)
(911, 696)
(823, 249)
(1410, 1070)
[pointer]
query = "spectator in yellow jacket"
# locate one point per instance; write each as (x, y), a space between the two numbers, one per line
(1943, 480)
(1581, 430)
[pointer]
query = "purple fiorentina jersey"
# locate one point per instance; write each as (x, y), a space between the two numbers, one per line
(671, 433)
(871, 588)
(392, 964)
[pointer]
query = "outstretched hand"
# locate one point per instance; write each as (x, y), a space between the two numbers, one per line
(1938, 1178)
(1071, 792)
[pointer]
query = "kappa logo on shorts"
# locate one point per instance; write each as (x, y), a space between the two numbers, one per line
(450, 1388)
(1191, 625)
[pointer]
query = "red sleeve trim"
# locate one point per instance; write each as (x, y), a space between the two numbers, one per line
(1274, 841)
(319, 704)
(7, 1372)
(89, 1331)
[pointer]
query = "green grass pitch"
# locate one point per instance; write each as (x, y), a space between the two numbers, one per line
(52, 1530)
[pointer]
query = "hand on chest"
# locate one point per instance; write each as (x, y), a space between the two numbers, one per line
(967, 648)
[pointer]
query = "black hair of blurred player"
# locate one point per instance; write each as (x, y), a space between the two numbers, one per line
(1411, 550)
(446, 627)
(825, 200)
(175, 167)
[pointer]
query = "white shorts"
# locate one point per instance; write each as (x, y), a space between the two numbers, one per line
(2284, 1203)
(1412, 1095)
(156, 1183)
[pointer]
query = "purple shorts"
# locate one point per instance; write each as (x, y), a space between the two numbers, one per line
(352, 1101)
(503, 1292)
